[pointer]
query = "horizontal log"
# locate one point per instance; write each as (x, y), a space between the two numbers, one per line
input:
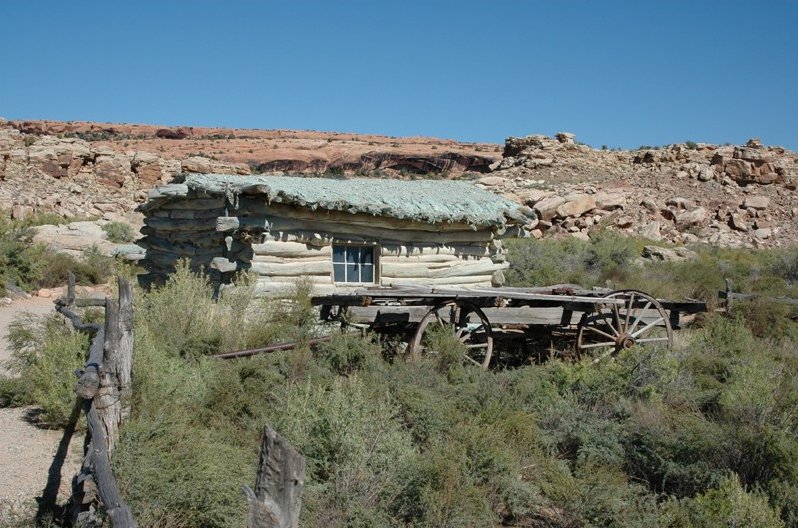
(338, 232)
(428, 258)
(226, 224)
(188, 214)
(187, 248)
(477, 250)
(312, 279)
(84, 302)
(195, 204)
(292, 270)
(170, 259)
(184, 225)
(223, 265)
(461, 268)
(255, 208)
(475, 280)
(496, 316)
(171, 190)
(289, 249)
(268, 259)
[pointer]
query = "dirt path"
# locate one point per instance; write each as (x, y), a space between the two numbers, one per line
(27, 451)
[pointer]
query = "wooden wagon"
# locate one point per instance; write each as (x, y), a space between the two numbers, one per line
(600, 322)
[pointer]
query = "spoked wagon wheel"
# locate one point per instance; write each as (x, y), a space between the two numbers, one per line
(466, 322)
(612, 326)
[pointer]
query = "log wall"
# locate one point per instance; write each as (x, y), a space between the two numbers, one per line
(282, 243)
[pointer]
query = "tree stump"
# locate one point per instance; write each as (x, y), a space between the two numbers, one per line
(277, 498)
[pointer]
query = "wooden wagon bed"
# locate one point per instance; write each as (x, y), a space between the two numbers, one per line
(601, 319)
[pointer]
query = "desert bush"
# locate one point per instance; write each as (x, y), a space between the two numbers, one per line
(45, 355)
(119, 232)
(729, 504)
(349, 353)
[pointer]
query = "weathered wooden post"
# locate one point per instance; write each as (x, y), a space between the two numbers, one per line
(117, 359)
(729, 295)
(277, 498)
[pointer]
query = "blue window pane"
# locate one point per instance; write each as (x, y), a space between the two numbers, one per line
(367, 273)
(352, 254)
(339, 253)
(352, 274)
(367, 255)
(338, 273)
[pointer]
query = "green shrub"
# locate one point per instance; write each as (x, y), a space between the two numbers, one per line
(45, 356)
(727, 505)
(119, 232)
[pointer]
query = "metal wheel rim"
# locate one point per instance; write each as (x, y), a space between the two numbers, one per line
(610, 328)
(458, 315)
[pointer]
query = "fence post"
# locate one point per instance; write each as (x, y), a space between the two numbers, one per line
(124, 357)
(277, 498)
(70, 299)
(117, 359)
(107, 398)
(729, 293)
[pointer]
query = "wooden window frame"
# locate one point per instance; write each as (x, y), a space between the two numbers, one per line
(374, 264)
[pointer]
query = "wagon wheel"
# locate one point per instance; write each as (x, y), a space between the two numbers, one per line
(611, 327)
(466, 322)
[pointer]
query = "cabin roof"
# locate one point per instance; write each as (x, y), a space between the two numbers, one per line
(428, 201)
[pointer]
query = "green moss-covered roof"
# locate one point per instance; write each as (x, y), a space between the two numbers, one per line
(429, 201)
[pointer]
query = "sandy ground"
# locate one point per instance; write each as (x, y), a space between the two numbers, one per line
(26, 450)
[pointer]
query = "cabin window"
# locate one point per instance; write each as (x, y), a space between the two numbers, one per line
(353, 263)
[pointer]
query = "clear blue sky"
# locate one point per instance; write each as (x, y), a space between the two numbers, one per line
(620, 73)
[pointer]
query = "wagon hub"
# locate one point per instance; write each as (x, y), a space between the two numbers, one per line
(625, 341)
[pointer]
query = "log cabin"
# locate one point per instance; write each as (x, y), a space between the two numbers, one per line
(340, 234)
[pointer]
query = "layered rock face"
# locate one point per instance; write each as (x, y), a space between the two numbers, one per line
(725, 195)
(76, 178)
(79, 169)
(282, 150)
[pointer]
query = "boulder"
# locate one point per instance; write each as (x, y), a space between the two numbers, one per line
(576, 205)
(112, 169)
(624, 221)
(706, 174)
(151, 169)
(173, 133)
(737, 222)
(493, 181)
(692, 218)
(565, 137)
(608, 202)
(533, 196)
(662, 254)
(763, 233)
(546, 208)
(651, 231)
(21, 212)
(74, 238)
(756, 202)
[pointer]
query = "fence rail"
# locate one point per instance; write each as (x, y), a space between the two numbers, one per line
(729, 296)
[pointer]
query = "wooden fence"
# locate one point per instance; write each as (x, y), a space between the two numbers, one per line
(729, 296)
(104, 385)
